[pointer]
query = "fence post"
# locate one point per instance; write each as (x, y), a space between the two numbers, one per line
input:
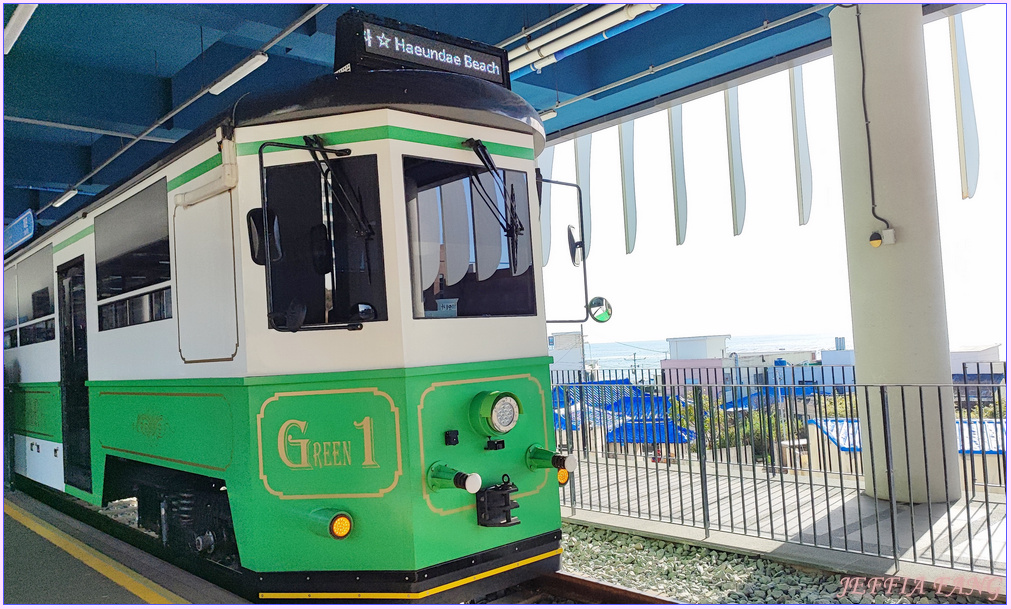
(892, 508)
(700, 447)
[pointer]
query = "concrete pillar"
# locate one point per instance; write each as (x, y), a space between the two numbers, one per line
(900, 326)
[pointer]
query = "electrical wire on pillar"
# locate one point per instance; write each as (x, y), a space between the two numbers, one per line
(887, 236)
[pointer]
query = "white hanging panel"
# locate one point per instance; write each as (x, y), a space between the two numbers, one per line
(455, 231)
(515, 183)
(801, 152)
(544, 162)
(738, 198)
(626, 142)
(428, 237)
(487, 230)
(677, 162)
(965, 111)
(205, 280)
(583, 180)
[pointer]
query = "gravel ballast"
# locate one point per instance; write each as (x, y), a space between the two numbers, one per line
(699, 575)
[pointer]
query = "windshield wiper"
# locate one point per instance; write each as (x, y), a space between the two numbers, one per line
(334, 173)
(510, 221)
(363, 228)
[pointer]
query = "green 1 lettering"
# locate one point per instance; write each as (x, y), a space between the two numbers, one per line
(366, 426)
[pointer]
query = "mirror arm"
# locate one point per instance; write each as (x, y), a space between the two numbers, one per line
(586, 285)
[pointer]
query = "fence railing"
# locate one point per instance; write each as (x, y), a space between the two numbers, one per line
(913, 473)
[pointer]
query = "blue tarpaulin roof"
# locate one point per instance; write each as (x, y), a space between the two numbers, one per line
(981, 437)
(765, 395)
(623, 409)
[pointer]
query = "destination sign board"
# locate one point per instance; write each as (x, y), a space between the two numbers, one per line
(366, 41)
(406, 47)
(20, 231)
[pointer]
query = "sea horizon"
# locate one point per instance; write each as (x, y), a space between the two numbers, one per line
(648, 353)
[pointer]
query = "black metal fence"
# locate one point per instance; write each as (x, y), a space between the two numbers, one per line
(914, 473)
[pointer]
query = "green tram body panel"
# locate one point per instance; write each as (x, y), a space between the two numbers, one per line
(37, 410)
(295, 450)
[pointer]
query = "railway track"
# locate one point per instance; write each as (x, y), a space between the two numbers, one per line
(560, 587)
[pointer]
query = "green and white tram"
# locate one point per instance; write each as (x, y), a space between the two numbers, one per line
(310, 340)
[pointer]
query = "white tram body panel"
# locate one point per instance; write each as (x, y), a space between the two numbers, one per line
(218, 327)
(402, 341)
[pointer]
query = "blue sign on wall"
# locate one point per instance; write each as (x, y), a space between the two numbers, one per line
(19, 231)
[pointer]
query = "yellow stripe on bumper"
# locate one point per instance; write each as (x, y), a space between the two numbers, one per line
(410, 595)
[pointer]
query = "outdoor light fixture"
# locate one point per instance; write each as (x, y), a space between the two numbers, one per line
(70, 194)
(239, 73)
(19, 19)
(548, 115)
(883, 237)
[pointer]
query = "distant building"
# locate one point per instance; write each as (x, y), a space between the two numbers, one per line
(696, 360)
(976, 360)
(567, 350)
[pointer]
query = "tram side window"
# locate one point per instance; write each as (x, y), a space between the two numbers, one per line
(132, 253)
(470, 248)
(331, 254)
(131, 243)
(10, 308)
(35, 291)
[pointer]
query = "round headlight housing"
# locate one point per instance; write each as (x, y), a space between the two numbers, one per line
(505, 413)
(495, 413)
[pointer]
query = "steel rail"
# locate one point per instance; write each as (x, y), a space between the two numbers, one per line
(585, 590)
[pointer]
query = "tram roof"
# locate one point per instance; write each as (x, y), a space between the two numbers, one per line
(83, 79)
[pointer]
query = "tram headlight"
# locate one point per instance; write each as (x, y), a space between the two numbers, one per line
(495, 413)
(505, 413)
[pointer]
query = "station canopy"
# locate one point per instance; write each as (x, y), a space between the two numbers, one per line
(81, 81)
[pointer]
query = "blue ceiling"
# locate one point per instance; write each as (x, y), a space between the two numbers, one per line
(115, 69)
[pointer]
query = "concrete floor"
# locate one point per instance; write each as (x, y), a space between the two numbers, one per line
(50, 558)
(39, 573)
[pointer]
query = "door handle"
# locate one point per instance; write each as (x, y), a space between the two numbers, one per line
(56, 452)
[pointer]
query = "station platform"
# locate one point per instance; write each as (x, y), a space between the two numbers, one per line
(50, 558)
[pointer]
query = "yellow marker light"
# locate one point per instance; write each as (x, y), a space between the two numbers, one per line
(563, 476)
(340, 526)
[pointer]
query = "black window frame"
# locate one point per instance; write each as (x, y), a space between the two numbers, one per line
(123, 266)
(501, 276)
(266, 237)
(39, 323)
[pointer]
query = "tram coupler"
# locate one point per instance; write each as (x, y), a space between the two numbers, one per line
(441, 476)
(538, 457)
(495, 506)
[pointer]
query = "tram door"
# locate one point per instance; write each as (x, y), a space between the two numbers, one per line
(74, 374)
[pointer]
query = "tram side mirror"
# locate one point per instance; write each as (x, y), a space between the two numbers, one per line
(254, 224)
(363, 311)
(575, 247)
(599, 309)
(319, 246)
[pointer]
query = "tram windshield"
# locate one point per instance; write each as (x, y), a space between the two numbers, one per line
(330, 257)
(470, 248)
